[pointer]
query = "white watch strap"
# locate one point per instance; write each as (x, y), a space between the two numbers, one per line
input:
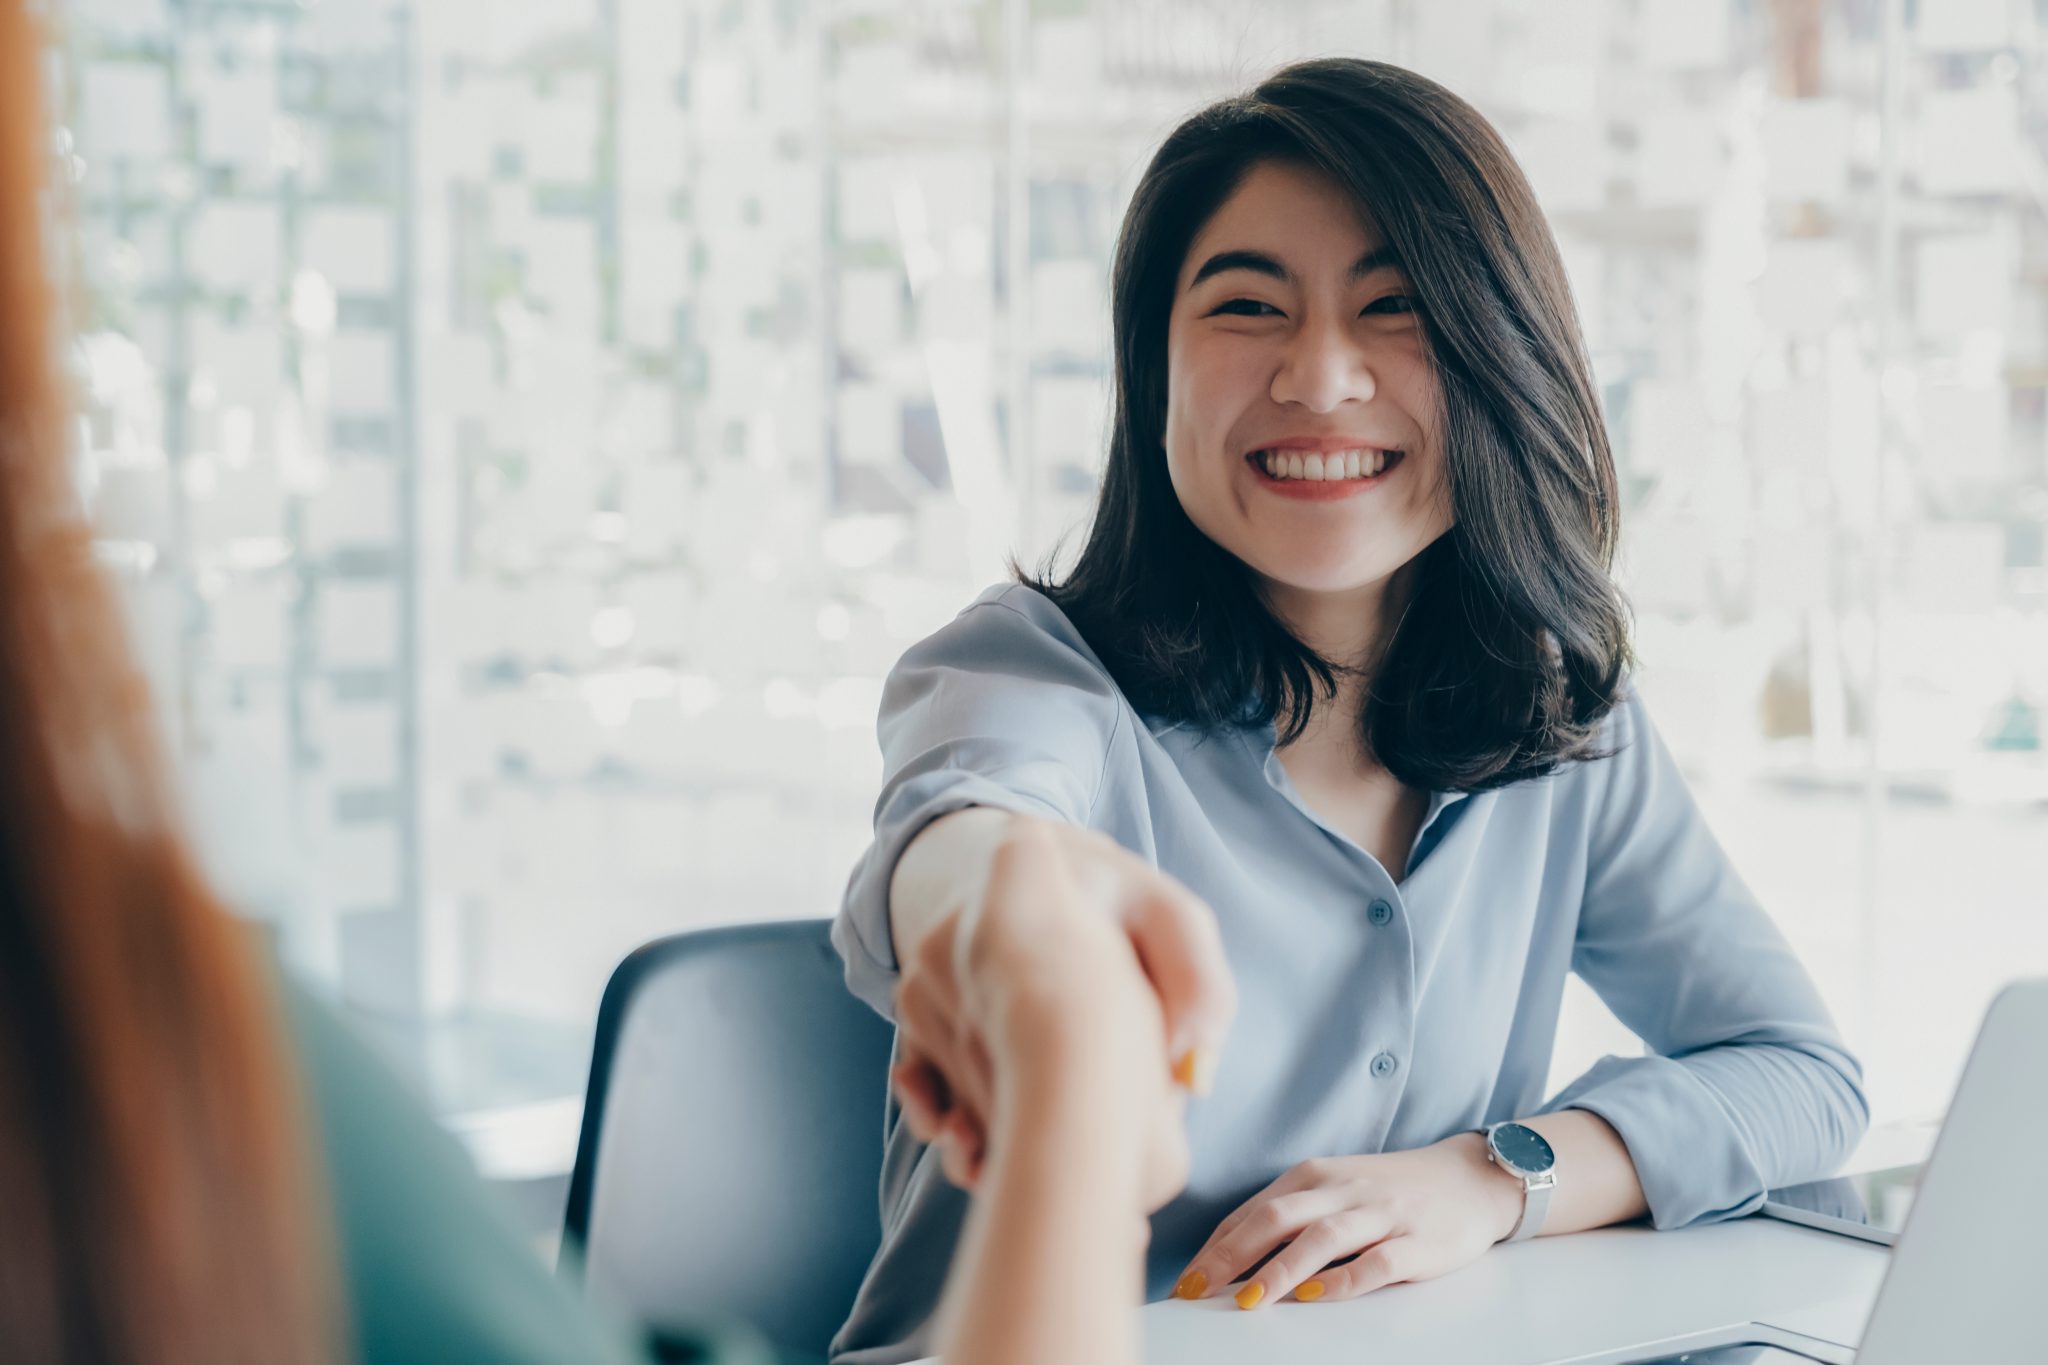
(1535, 1204)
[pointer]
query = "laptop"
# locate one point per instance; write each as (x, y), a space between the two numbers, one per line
(1966, 1281)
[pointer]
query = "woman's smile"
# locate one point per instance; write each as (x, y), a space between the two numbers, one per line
(1310, 477)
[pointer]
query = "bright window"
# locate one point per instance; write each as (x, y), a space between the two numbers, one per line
(528, 435)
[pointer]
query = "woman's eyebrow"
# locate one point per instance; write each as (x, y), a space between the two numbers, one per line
(1379, 258)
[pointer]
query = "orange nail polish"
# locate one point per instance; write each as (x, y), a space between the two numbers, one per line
(1195, 1071)
(1192, 1285)
(1249, 1296)
(1309, 1291)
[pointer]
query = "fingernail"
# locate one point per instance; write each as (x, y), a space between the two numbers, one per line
(1249, 1296)
(1192, 1285)
(1196, 1070)
(1309, 1291)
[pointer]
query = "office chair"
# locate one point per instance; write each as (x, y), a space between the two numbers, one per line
(731, 1148)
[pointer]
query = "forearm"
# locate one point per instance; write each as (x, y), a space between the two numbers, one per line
(1051, 1264)
(1597, 1183)
(942, 872)
(1711, 1131)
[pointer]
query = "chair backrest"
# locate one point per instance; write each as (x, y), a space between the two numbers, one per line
(731, 1149)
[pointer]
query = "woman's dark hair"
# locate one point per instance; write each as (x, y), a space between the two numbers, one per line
(1513, 647)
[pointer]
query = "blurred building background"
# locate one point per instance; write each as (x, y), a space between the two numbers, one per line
(527, 434)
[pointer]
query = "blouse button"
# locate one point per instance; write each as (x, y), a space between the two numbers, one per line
(1381, 912)
(1383, 1065)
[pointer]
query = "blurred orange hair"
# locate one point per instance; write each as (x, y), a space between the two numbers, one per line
(154, 1195)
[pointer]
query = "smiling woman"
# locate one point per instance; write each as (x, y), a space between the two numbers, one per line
(1350, 259)
(1297, 389)
(1340, 678)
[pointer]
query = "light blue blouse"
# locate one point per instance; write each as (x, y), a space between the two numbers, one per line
(1374, 1016)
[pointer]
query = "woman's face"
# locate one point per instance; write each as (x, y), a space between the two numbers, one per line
(1302, 407)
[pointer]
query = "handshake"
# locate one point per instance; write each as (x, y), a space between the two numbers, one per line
(1046, 970)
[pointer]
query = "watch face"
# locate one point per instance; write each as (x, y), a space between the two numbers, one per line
(1523, 1148)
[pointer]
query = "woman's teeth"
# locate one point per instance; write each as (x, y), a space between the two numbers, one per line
(1338, 464)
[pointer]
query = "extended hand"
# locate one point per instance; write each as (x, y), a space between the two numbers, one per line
(1400, 1215)
(1068, 926)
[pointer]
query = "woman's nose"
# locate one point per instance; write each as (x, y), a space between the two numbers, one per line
(1323, 369)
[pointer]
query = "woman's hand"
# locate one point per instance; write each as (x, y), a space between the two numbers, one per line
(1402, 1215)
(1071, 935)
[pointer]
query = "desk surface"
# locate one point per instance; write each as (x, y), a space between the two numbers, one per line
(1554, 1299)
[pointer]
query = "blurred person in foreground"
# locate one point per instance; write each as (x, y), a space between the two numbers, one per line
(199, 1165)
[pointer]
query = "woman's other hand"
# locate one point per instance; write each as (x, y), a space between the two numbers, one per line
(1072, 943)
(1387, 1218)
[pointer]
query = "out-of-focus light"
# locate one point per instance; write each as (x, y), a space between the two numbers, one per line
(834, 621)
(651, 681)
(237, 434)
(612, 627)
(313, 303)
(860, 542)
(784, 700)
(1899, 383)
(764, 566)
(611, 697)
(695, 693)
(178, 183)
(1980, 359)
(608, 527)
(200, 477)
(135, 557)
(287, 144)
(115, 368)
(203, 393)
(251, 553)
(124, 262)
(516, 320)
(849, 703)
(913, 229)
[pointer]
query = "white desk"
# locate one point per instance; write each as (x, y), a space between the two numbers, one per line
(1588, 1297)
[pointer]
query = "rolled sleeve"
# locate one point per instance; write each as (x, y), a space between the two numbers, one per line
(1748, 1085)
(1004, 707)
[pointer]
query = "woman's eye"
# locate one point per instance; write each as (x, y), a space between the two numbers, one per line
(1241, 308)
(1389, 305)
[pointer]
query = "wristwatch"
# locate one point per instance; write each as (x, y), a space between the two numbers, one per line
(1521, 1151)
